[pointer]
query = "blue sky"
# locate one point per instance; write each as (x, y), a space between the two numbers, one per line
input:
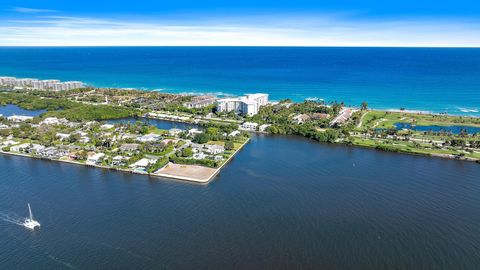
(248, 22)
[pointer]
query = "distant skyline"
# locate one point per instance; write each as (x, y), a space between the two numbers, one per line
(420, 23)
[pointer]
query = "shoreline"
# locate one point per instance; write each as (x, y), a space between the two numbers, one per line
(159, 175)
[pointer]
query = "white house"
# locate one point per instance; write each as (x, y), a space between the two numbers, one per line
(19, 118)
(142, 163)
(214, 149)
(53, 121)
(20, 147)
(95, 158)
(192, 132)
(149, 138)
(107, 126)
(249, 126)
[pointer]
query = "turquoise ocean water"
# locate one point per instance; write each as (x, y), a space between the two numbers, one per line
(426, 79)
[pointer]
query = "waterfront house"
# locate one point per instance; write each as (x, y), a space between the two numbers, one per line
(20, 148)
(142, 163)
(28, 148)
(118, 160)
(54, 121)
(193, 131)
(95, 158)
(53, 153)
(19, 118)
(263, 127)
(9, 143)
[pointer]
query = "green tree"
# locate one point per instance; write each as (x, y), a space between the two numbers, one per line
(201, 138)
(187, 152)
(229, 145)
(364, 106)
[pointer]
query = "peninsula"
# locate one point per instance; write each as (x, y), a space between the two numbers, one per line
(108, 128)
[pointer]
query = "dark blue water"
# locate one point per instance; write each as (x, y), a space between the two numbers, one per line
(439, 80)
(161, 124)
(452, 129)
(282, 203)
(9, 110)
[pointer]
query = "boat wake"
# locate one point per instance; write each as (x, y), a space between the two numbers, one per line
(11, 218)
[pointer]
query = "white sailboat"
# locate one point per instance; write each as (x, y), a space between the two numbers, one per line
(29, 221)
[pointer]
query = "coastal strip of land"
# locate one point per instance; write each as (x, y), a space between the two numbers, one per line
(110, 128)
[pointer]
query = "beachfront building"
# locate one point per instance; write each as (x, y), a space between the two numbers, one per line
(29, 83)
(246, 105)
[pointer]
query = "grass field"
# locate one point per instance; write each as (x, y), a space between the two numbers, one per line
(384, 119)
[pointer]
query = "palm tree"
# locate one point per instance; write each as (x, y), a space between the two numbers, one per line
(364, 106)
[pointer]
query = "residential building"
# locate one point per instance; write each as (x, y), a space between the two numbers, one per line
(129, 147)
(94, 159)
(247, 105)
(149, 138)
(342, 117)
(29, 83)
(19, 118)
(249, 126)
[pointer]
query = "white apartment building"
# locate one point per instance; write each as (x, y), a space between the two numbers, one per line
(247, 105)
(28, 83)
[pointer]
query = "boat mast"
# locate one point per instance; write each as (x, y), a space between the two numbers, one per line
(30, 211)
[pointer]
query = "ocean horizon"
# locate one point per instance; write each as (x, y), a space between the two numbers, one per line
(437, 80)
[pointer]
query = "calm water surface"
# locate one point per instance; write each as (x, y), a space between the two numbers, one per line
(9, 110)
(161, 124)
(282, 203)
(452, 129)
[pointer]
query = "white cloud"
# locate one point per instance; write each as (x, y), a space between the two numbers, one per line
(31, 10)
(253, 31)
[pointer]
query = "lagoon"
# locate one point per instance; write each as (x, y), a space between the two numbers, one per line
(282, 202)
(9, 110)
